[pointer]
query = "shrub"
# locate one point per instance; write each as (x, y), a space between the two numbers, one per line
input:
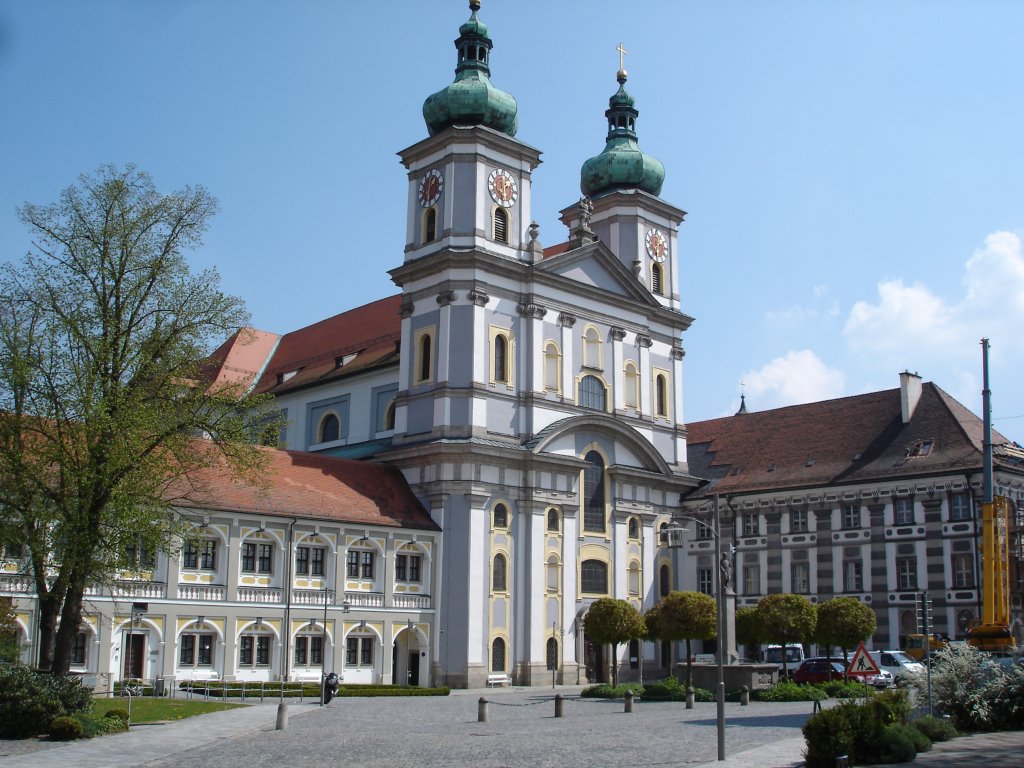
(65, 729)
(668, 688)
(107, 724)
(935, 728)
(828, 733)
(845, 689)
(29, 701)
(896, 744)
(921, 742)
(120, 714)
(789, 691)
(607, 691)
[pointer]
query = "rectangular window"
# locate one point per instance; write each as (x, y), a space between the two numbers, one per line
(78, 649)
(853, 576)
(851, 516)
(316, 645)
(400, 568)
(750, 524)
(705, 583)
(360, 564)
(248, 556)
(300, 651)
(317, 561)
(262, 650)
(906, 573)
(801, 578)
(187, 652)
(797, 520)
(366, 652)
(963, 571)
(751, 579)
(351, 651)
(703, 530)
(196, 649)
(245, 651)
(12, 551)
(190, 556)
(903, 512)
(208, 555)
(359, 652)
(138, 555)
(960, 507)
(266, 559)
(407, 568)
(205, 650)
(302, 562)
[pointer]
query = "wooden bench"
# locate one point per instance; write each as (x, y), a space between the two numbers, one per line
(498, 679)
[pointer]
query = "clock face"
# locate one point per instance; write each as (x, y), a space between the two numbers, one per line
(431, 186)
(503, 188)
(657, 245)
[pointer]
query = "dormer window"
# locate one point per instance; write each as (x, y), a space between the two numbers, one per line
(920, 448)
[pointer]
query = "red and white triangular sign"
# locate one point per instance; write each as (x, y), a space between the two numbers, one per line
(862, 663)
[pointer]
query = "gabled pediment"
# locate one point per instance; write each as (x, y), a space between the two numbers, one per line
(596, 266)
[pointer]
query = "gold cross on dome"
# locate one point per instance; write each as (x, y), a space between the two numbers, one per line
(622, 56)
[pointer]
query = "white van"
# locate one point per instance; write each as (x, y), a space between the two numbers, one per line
(794, 656)
(898, 663)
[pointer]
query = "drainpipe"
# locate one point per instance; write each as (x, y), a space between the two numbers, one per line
(286, 630)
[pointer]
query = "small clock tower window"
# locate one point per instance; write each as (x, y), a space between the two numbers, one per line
(430, 225)
(501, 225)
(656, 280)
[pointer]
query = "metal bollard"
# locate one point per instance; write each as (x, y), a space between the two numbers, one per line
(481, 710)
(629, 701)
(744, 696)
(282, 716)
(689, 697)
(559, 703)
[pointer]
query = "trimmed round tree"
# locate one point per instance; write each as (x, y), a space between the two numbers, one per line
(613, 622)
(842, 623)
(748, 629)
(683, 616)
(786, 619)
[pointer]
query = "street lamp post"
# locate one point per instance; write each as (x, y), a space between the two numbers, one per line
(721, 625)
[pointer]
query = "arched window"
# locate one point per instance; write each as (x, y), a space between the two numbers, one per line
(499, 574)
(430, 225)
(498, 655)
(552, 573)
(661, 394)
(501, 358)
(594, 577)
(552, 366)
(592, 347)
(632, 383)
(663, 534)
(553, 520)
(656, 279)
(592, 393)
(389, 416)
(424, 357)
(552, 654)
(500, 516)
(501, 225)
(664, 581)
(633, 528)
(330, 428)
(593, 493)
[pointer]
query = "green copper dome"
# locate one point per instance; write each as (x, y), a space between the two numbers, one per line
(472, 99)
(621, 165)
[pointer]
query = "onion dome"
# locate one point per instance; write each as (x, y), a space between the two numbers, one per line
(621, 165)
(472, 99)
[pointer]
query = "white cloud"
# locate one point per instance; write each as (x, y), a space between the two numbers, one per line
(913, 324)
(797, 377)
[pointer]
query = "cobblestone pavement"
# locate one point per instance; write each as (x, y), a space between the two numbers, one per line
(444, 731)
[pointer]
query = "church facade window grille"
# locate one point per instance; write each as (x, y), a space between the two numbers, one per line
(592, 393)
(501, 356)
(661, 395)
(594, 577)
(429, 225)
(551, 654)
(500, 516)
(664, 581)
(594, 518)
(499, 574)
(553, 522)
(657, 278)
(423, 371)
(498, 655)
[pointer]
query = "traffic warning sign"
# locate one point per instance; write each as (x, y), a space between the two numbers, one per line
(862, 663)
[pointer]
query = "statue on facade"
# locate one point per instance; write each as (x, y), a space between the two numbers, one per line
(726, 568)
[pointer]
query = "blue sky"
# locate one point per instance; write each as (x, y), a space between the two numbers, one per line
(853, 171)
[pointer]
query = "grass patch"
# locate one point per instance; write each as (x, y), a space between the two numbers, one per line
(149, 710)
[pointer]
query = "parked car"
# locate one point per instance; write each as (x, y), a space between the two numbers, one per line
(820, 669)
(794, 655)
(897, 663)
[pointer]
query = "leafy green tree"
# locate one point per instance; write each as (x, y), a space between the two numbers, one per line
(613, 622)
(843, 622)
(683, 616)
(748, 630)
(786, 619)
(8, 631)
(105, 388)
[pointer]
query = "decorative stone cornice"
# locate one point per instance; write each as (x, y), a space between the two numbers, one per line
(678, 353)
(405, 309)
(445, 298)
(643, 340)
(480, 298)
(564, 318)
(618, 333)
(529, 309)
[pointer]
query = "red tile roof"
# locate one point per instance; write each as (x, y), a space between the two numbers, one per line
(373, 331)
(240, 359)
(843, 441)
(310, 486)
(554, 250)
